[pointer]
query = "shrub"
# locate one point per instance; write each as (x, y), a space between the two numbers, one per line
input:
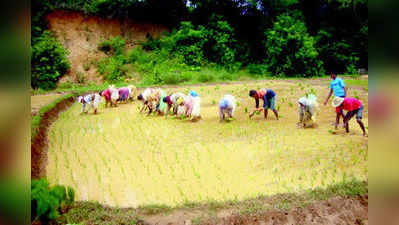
(170, 78)
(112, 68)
(338, 56)
(86, 66)
(197, 45)
(113, 46)
(257, 70)
(48, 61)
(219, 46)
(80, 77)
(226, 75)
(189, 42)
(205, 77)
(290, 49)
(151, 44)
(46, 202)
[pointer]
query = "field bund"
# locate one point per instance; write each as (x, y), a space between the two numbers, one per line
(122, 158)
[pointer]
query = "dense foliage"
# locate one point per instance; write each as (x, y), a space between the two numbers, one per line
(49, 61)
(46, 202)
(320, 36)
(197, 45)
(290, 50)
(112, 67)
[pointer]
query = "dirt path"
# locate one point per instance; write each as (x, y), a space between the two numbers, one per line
(38, 101)
(337, 210)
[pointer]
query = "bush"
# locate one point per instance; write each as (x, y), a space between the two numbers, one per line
(151, 44)
(257, 70)
(189, 42)
(197, 45)
(86, 66)
(112, 68)
(338, 56)
(47, 202)
(290, 49)
(80, 77)
(48, 61)
(205, 77)
(113, 46)
(219, 46)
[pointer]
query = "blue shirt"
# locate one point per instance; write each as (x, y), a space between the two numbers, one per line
(270, 94)
(337, 86)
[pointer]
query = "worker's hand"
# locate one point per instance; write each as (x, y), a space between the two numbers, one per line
(251, 114)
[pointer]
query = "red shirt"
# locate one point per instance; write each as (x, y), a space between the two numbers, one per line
(349, 104)
(260, 94)
(107, 94)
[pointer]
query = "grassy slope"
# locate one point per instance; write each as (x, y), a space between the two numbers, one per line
(95, 213)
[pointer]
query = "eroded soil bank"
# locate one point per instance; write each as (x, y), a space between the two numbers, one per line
(39, 142)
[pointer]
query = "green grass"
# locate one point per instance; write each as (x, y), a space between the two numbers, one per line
(241, 75)
(35, 122)
(357, 82)
(95, 213)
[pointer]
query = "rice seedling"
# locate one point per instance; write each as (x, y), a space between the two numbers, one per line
(171, 162)
(356, 95)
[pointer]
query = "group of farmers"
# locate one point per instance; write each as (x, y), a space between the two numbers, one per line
(308, 106)
(156, 100)
(111, 95)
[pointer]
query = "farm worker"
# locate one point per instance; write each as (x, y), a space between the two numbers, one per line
(147, 98)
(195, 111)
(92, 100)
(337, 86)
(160, 104)
(132, 92)
(307, 109)
(171, 102)
(107, 95)
(269, 101)
(180, 109)
(192, 106)
(123, 94)
(227, 105)
(354, 107)
(114, 95)
(193, 93)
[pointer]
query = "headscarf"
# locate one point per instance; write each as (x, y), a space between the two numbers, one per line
(193, 93)
(303, 101)
(180, 100)
(223, 103)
